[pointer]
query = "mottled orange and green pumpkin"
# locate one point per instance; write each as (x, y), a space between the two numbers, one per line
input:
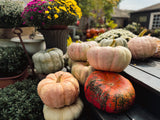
(109, 91)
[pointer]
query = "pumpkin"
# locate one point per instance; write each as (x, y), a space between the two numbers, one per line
(70, 112)
(142, 47)
(58, 89)
(48, 61)
(114, 59)
(78, 51)
(157, 53)
(109, 91)
(118, 42)
(81, 70)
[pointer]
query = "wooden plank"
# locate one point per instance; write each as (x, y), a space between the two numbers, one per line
(150, 66)
(143, 78)
(139, 113)
(102, 115)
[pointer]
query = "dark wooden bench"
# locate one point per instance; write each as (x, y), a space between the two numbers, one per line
(145, 77)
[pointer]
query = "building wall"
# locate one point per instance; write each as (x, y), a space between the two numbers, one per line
(142, 17)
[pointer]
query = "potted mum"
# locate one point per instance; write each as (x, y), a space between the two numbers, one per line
(51, 18)
(10, 17)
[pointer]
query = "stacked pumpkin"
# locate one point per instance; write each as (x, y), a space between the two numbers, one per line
(77, 53)
(59, 90)
(103, 86)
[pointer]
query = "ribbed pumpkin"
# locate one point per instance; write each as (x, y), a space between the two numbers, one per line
(78, 51)
(109, 91)
(58, 89)
(48, 61)
(157, 53)
(114, 59)
(81, 70)
(142, 47)
(118, 42)
(70, 112)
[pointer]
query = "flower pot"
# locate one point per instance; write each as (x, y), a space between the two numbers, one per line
(5, 81)
(56, 38)
(32, 45)
(6, 33)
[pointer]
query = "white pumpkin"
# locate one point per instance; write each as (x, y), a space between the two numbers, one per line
(48, 61)
(70, 112)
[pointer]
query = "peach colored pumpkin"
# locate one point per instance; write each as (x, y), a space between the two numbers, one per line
(58, 89)
(157, 53)
(81, 70)
(114, 59)
(78, 51)
(142, 47)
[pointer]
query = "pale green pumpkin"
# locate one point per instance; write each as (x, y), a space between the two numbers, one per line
(48, 61)
(118, 42)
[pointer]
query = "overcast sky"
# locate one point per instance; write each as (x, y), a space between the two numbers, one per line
(137, 4)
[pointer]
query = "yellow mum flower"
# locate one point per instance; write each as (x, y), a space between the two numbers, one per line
(49, 17)
(46, 12)
(62, 8)
(49, 7)
(56, 16)
(58, 10)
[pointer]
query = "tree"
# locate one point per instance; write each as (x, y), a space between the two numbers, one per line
(98, 8)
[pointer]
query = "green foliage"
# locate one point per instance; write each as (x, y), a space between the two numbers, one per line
(12, 61)
(110, 24)
(20, 101)
(134, 27)
(10, 13)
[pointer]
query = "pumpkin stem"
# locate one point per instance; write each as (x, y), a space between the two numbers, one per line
(112, 44)
(142, 33)
(50, 49)
(78, 41)
(59, 78)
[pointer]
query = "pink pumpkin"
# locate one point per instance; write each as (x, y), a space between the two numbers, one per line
(78, 51)
(114, 59)
(142, 47)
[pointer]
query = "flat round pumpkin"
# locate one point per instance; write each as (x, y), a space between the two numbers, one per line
(70, 112)
(142, 47)
(114, 59)
(48, 61)
(109, 91)
(118, 42)
(78, 51)
(58, 89)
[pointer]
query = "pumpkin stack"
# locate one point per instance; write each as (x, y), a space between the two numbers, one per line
(105, 88)
(77, 53)
(59, 92)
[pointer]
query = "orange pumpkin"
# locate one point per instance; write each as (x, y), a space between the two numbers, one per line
(78, 51)
(114, 59)
(81, 70)
(142, 47)
(109, 91)
(58, 89)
